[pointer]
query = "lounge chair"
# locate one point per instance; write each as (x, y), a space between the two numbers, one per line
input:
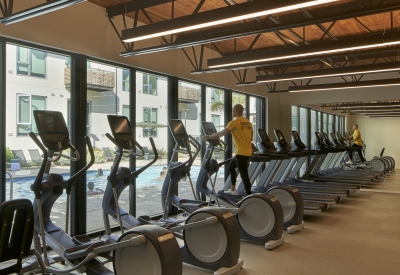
(147, 154)
(19, 155)
(36, 158)
(108, 153)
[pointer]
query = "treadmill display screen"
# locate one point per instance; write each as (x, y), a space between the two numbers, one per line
(319, 137)
(280, 137)
(209, 129)
(296, 135)
(121, 130)
(52, 129)
(178, 131)
(265, 139)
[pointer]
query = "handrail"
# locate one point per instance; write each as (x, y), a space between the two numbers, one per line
(11, 184)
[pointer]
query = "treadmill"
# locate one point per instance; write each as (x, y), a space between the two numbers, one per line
(318, 194)
(298, 145)
(327, 158)
(311, 206)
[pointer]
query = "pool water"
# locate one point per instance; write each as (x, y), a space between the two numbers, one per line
(148, 178)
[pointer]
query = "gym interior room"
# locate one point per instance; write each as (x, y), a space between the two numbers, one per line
(115, 147)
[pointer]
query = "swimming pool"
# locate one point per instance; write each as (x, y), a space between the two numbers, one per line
(22, 186)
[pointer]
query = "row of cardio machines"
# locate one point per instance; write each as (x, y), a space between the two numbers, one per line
(328, 165)
(210, 235)
(378, 163)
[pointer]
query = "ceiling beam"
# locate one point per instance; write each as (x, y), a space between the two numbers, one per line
(306, 61)
(132, 6)
(239, 30)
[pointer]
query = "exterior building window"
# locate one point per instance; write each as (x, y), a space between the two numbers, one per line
(26, 104)
(149, 84)
(150, 115)
(31, 62)
(125, 111)
(215, 96)
(126, 76)
(216, 120)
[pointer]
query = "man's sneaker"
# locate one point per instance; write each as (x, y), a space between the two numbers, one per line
(362, 164)
(349, 162)
(230, 192)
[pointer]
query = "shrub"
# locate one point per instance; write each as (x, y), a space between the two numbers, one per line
(9, 155)
(99, 156)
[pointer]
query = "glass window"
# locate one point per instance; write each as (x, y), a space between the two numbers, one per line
(325, 122)
(216, 119)
(26, 105)
(331, 124)
(149, 183)
(31, 62)
(215, 107)
(215, 95)
(337, 125)
(255, 116)
(313, 127)
(23, 96)
(149, 84)
(105, 96)
(319, 116)
(126, 111)
(294, 118)
(150, 115)
(126, 77)
(189, 107)
(303, 129)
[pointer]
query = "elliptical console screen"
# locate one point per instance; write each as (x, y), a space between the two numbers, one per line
(178, 131)
(209, 129)
(52, 129)
(121, 130)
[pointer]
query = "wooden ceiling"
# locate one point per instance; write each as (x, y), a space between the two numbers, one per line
(291, 37)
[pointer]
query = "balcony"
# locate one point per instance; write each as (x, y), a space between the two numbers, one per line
(97, 80)
(188, 95)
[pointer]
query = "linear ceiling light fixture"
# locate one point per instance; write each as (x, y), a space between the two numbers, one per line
(361, 69)
(346, 85)
(367, 109)
(216, 17)
(385, 116)
(350, 44)
(383, 106)
(38, 10)
(375, 113)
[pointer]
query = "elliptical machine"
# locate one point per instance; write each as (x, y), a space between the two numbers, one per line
(259, 216)
(211, 238)
(128, 252)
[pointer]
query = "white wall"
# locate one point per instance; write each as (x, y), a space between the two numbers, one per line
(378, 133)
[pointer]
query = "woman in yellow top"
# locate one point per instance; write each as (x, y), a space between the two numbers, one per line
(358, 143)
(242, 132)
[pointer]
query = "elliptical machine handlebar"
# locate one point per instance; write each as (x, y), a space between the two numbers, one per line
(136, 173)
(36, 187)
(71, 181)
(60, 154)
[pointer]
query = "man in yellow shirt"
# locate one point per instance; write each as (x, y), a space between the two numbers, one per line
(358, 143)
(242, 132)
